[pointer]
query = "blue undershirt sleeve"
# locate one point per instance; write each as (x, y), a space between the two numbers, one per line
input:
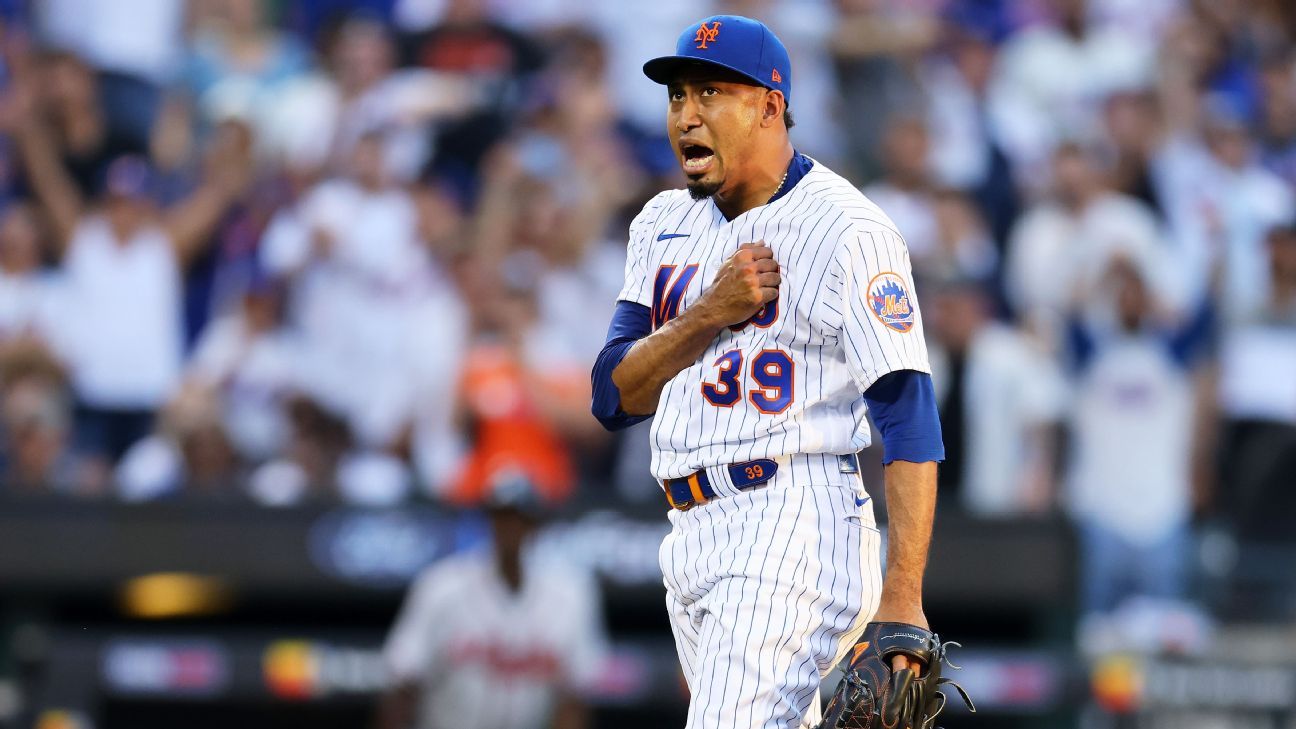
(903, 404)
(630, 323)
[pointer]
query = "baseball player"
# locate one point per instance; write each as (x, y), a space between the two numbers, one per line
(495, 640)
(765, 309)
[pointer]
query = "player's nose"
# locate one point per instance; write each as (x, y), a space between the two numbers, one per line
(688, 116)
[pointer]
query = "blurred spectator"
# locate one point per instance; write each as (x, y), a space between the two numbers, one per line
(135, 46)
(27, 290)
(1258, 402)
(1130, 486)
(371, 99)
(308, 469)
(249, 358)
(1143, 18)
(468, 42)
(123, 258)
(443, 659)
(1221, 203)
(189, 455)
(351, 249)
(237, 59)
(549, 197)
(36, 417)
(1228, 38)
(575, 281)
(140, 38)
(1277, 133)
(967, 147)
(965, 248)
(434, 335)
(1051, 78)
(1065, 241)
(557, 182)
(228, 265)
(877, 48)
(63, 98)
(314, 121)
(1281, 248)
(500, 400)
(1001, 403)
(904, 188)
(321, 465)
(945, 236)
(313, 19)
(1133, 141)
(362, 56)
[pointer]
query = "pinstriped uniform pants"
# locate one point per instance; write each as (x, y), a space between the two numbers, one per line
(767, 590)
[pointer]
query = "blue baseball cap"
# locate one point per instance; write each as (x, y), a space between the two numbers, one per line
(742, 45)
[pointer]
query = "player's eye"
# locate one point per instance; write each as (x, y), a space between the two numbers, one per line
(710, 91)
(676, 95)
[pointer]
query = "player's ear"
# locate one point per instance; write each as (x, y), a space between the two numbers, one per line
(772, 108)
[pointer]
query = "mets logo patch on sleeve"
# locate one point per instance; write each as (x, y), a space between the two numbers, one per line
(888, 297)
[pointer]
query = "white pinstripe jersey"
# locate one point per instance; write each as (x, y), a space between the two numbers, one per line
(790, 381)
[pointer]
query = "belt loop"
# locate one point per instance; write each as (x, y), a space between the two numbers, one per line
(788, 468)
(721, 483)
(695, 488)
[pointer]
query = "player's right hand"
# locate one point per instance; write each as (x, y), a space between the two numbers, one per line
(747, 281)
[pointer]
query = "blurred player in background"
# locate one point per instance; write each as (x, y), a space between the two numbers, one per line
(497, 639)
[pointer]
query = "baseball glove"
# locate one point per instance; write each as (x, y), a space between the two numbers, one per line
(872, 696)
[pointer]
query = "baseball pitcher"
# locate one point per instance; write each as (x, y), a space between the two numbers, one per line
(766, 309)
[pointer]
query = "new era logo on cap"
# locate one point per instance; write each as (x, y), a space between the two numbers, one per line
(706, 35)
(776, 77)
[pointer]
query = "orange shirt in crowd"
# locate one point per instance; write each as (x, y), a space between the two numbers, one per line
(511, 434)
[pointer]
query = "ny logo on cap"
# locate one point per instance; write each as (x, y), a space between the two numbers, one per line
(706, 35)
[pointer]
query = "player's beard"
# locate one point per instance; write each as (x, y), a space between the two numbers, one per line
(701, 189)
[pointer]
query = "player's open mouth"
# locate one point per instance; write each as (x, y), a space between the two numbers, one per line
(697, 158)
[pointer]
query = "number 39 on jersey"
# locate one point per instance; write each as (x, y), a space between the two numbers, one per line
(766, 378)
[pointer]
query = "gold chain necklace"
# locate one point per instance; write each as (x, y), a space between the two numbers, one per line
(780, 187)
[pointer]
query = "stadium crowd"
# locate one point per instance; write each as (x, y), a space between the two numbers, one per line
(367, 250)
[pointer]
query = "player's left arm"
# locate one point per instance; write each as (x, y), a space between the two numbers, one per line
(881, 331)
(631, 322)
(903, 404)
(911, 508)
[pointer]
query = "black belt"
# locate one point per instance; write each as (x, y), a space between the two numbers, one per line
(695, 489)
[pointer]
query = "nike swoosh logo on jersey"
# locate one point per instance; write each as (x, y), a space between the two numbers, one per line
(861, 500)
(668, 236)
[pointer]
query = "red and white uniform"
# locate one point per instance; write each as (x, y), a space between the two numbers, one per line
(486, 657)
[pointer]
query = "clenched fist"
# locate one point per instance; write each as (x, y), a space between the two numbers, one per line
(746, 282)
